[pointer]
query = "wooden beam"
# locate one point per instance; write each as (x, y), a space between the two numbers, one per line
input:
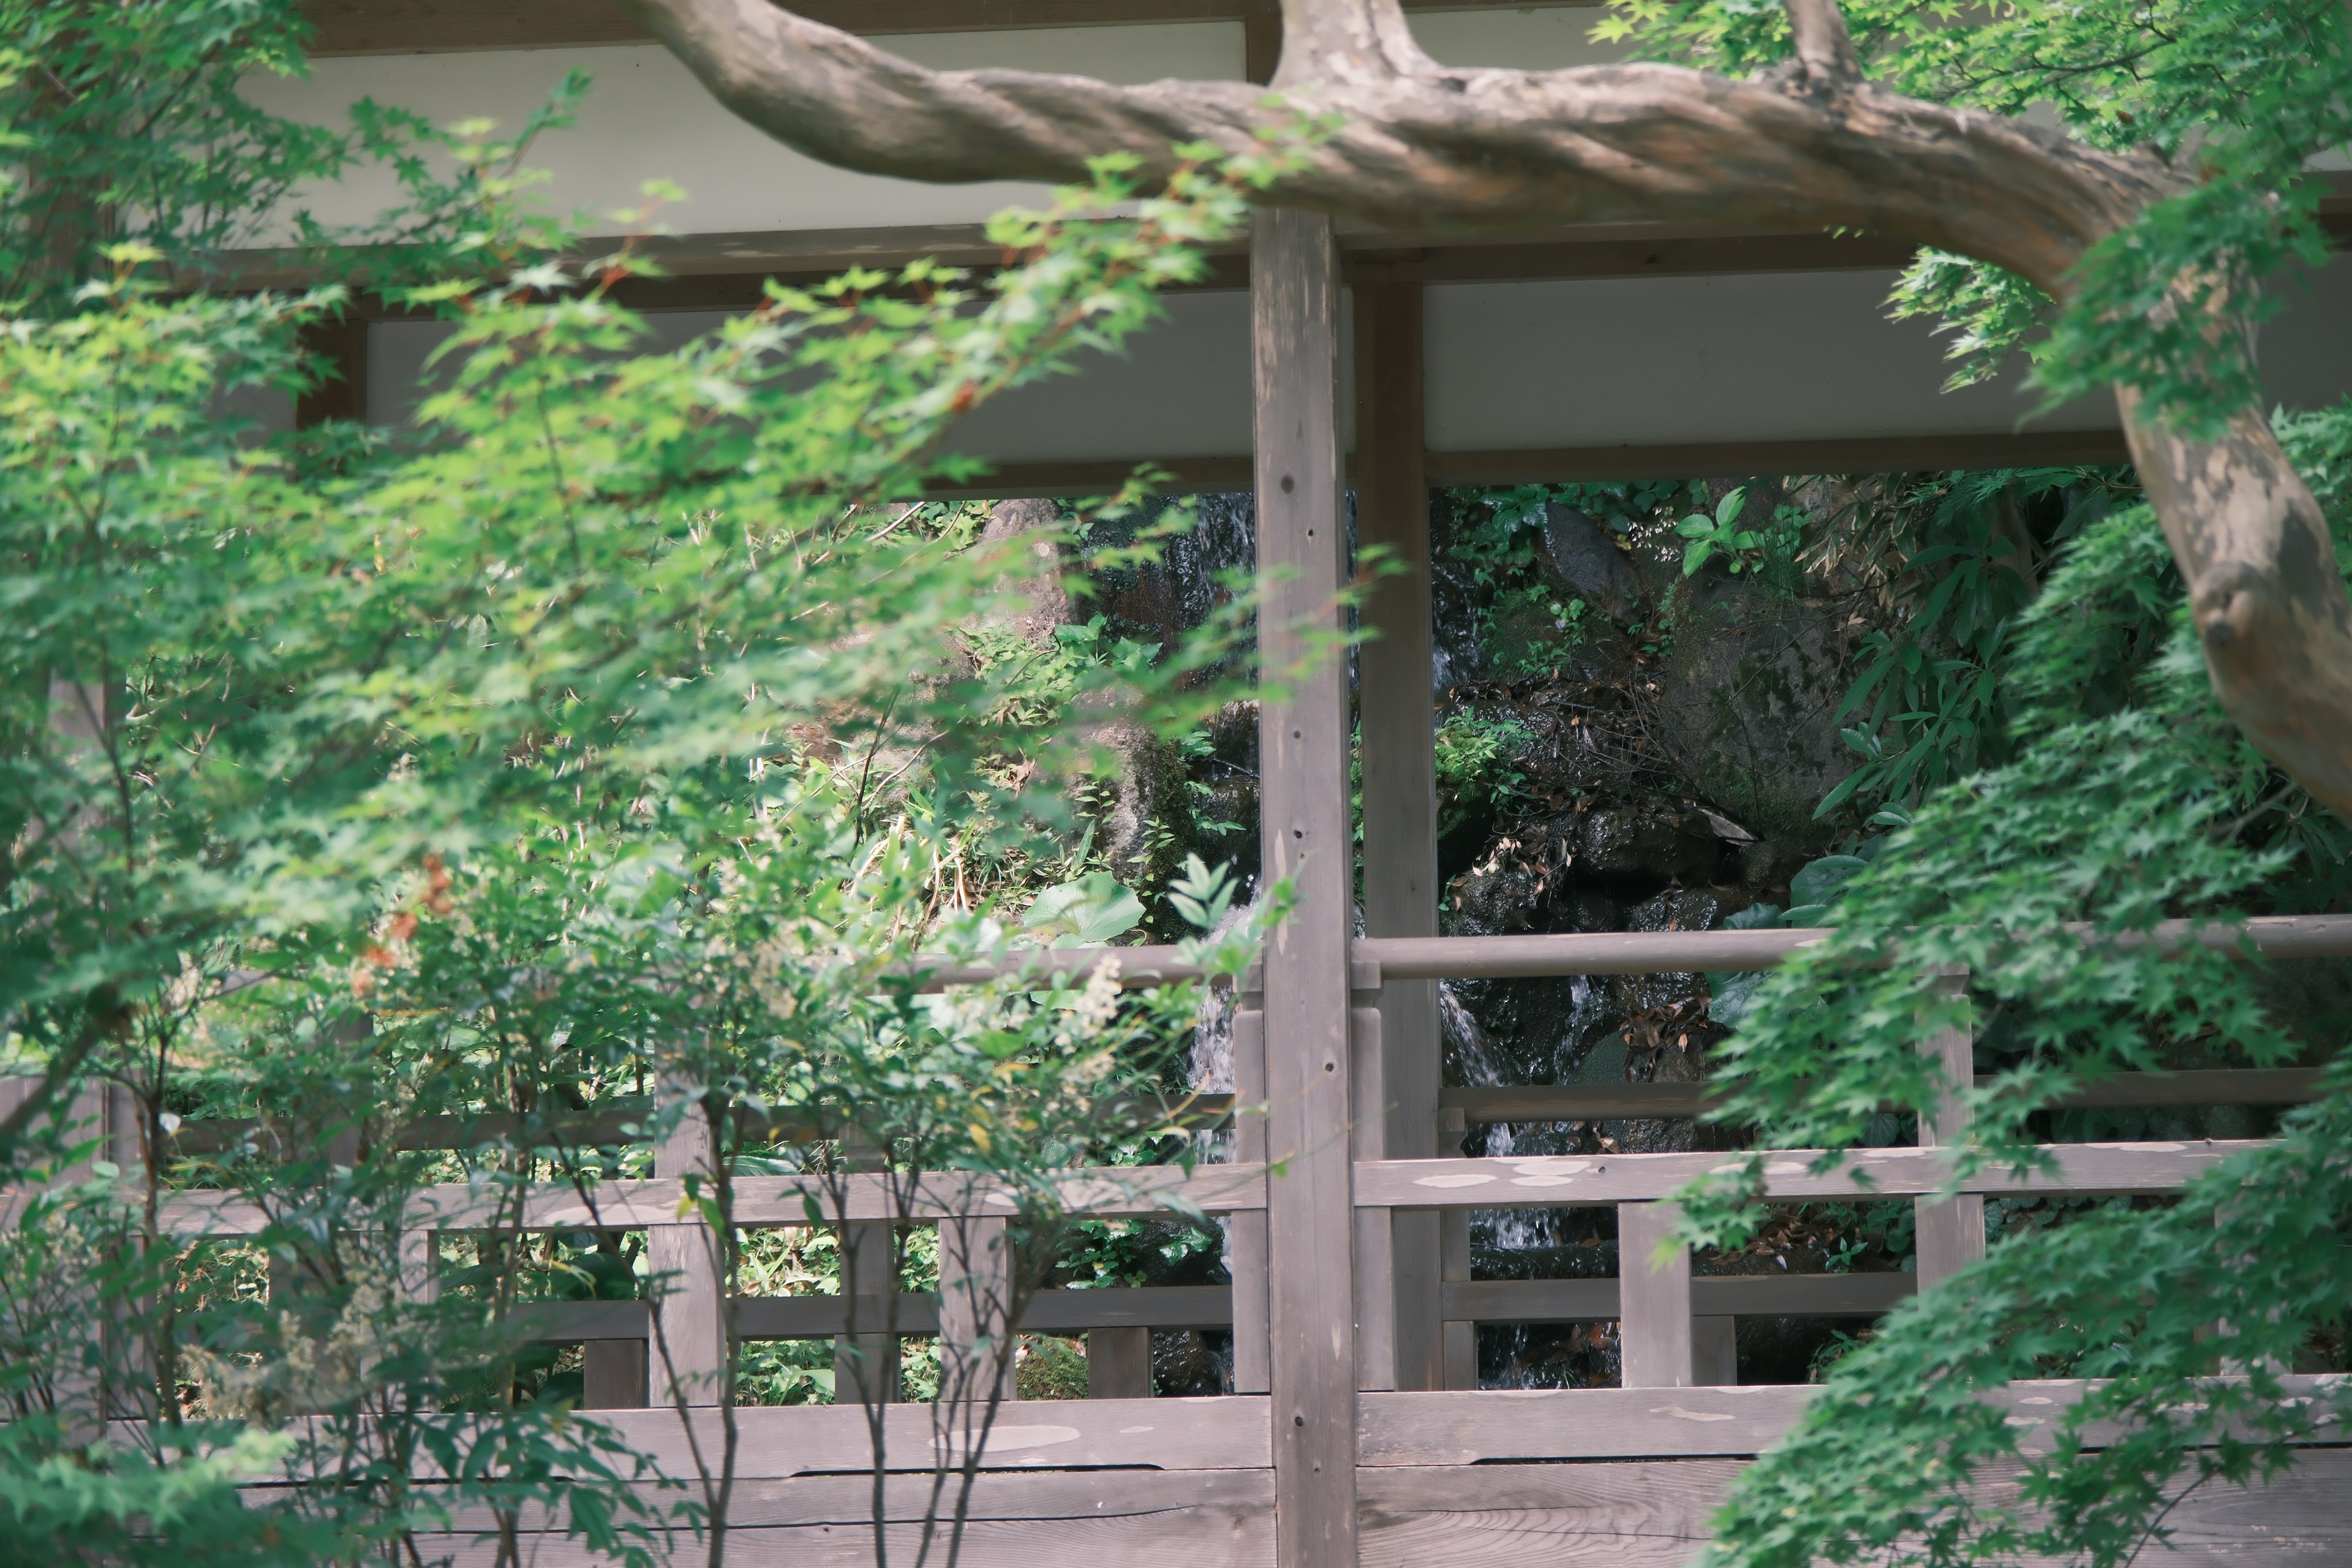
(1488, 1426)
(1656, 953)
(1375, 1273)
(1950, 1231)
(1738, 460)
(1607, 252)
(1245, 1245)
(1714, 1295)
(1656, 1514)
(780, 1440)
(1119, 1363)
(1397, 721)
(441, 26)
(1653, 1284)
(1307, 840)
(688, 1357)
(340, 347)
(1554, 1181)
(1457, 1332)
(1615, 1101)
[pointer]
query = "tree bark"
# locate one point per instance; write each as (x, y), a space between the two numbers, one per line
(1809, 144)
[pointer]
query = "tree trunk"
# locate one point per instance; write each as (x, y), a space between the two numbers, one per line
(1810, 144)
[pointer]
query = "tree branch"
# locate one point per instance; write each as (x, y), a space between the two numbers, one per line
(1419, 146)
(1422, 146)
(1824, 48)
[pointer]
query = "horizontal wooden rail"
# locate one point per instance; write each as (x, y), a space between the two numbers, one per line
(914, 1312)
(1650, 953)
(605, 1127)
(1138, 967)
(1712, 1296)
(1489, 1426)
(1106, 1192)
(1599, 953)
(1610, 1101)
(1556, 1181)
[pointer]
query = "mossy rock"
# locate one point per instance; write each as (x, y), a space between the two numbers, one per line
(1746, 707)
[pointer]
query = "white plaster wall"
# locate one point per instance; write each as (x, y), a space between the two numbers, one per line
(1786, 356)
(1641, 362)
(646, 118)
(1181, 390)
(1662, 361)
(1540, 38)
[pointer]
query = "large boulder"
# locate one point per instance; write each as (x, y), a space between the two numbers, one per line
(1590, 564)
(1747, 702)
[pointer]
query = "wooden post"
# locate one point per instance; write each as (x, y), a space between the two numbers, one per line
(866, 1364)
(1653, 1300)
(1715, 1351)
(1303, 747)
(689, 1354)
(1457, 1338)
(1119, 1363)
(1246, 1233)
(1261, 42)
(975, 1308)
(1376, 1358)
(1397, 722)
(341, 346)
(1951, 1234)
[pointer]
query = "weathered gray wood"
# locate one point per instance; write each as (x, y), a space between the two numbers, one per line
(824, 1317)
(1199, 1519)
(1653, 1331)
(1245, 1260)
(1119, 1363)
(687, 1262)
(1605, 1101)
(975, 1309)
(1645, 953)
(1231, 1432)
(1644, 1514)
(1714, 1351)
(1536, 1183)
(1397, 725)
(1307, 838)
(1453, 1427)
(1555, 1180)
(1463, 1428)
(613, 1375)
(1950, 1232)
(1376, 1361)
(1473, 1301)
(561, 1322)
(1633, 1515)
(865, 1350)
(1718, 1296)
(1457, 1332)
(637, 1205)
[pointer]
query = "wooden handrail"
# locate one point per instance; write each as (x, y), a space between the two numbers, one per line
(1669, 952)
(1614, 1101)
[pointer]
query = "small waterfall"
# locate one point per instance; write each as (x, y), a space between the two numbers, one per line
(1223, 538)
(1537, 1244)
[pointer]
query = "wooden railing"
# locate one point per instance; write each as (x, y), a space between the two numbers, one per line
(1674, 1329)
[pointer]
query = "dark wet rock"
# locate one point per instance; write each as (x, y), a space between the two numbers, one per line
(1191, 1362)
(1647, 843)
(1590, 564)
(1745, 708)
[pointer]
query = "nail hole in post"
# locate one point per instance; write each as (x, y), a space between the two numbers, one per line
(1289, 484)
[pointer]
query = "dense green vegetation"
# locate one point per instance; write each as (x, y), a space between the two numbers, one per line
(610, 747)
